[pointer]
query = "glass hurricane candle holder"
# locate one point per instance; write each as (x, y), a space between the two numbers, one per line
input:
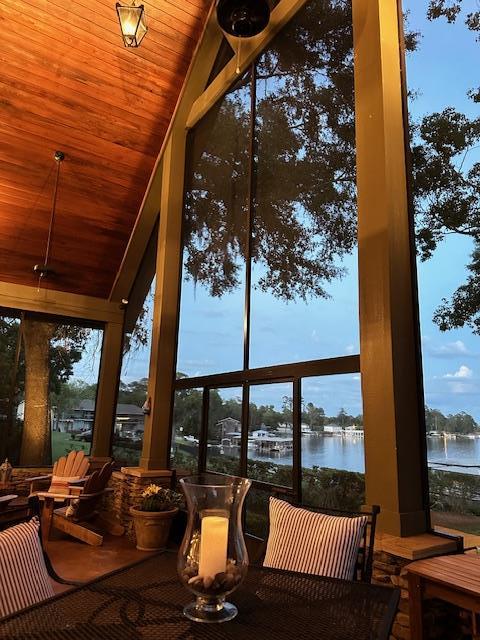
(213, 559)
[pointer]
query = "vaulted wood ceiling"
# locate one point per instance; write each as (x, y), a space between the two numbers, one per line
(68, 83)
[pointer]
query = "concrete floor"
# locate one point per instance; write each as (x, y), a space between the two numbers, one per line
(73, 560)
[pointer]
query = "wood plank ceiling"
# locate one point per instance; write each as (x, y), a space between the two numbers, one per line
(68, 83)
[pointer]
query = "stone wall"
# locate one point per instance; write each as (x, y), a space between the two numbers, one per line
(442, 621)
(24, 473)
(128, 485)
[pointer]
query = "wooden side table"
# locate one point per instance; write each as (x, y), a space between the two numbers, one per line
(453, 578)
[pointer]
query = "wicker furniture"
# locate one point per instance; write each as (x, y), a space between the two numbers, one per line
(145, 601)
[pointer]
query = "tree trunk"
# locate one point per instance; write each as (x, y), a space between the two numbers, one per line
(36, 438)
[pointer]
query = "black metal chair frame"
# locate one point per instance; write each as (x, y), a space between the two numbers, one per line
(34, 504)
(364, 566)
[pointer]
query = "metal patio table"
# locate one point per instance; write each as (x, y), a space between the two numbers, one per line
(144, 601)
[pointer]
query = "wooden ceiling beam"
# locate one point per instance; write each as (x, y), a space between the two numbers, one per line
(58, 303)
(251, 48)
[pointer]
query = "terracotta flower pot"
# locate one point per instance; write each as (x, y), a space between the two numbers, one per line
(152, 528)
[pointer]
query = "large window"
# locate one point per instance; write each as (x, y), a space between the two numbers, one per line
(48, 384)
(268, 327)
(443, 101)
(128, 428)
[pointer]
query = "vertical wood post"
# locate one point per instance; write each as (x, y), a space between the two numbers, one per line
(156, 438)
(108, 379)
(157, 434)
(394, 455)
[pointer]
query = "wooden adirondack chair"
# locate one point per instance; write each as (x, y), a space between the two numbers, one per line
(67, 471)
(81, 517)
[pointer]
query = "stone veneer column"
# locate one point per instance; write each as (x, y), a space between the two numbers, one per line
(128, 485)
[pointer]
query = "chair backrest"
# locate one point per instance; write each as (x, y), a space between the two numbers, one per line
(95, 487)
(364, 564)
(364, 567)
(74, 464)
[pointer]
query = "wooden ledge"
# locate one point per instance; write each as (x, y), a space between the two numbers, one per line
(424, 545)
(138, 472)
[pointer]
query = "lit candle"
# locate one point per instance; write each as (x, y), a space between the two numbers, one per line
(213, 546)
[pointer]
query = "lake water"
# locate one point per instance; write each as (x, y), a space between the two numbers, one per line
(348, 453)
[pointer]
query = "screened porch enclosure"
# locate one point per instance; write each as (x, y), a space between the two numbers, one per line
(256, 350)
(258, 260)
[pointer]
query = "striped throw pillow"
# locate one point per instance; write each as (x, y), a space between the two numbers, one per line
(24, 579)
(309, 542)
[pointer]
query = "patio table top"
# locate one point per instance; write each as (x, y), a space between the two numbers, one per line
(144, 601)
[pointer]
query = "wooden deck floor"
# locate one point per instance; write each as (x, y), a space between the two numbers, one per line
(77, 561)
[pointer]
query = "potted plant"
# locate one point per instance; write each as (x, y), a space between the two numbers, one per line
(153, 517)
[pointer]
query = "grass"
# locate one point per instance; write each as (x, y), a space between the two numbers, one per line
(62, 443)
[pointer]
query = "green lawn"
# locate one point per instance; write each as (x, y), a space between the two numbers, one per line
(62, 443)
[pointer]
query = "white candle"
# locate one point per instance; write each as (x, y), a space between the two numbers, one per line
(213, 546)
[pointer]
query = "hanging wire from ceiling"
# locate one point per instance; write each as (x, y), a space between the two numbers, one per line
(44, 269)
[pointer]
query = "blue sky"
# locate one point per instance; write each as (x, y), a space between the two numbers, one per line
(211, 329)
(441, 73)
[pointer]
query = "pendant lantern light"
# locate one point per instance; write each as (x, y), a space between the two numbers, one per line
(132, 23)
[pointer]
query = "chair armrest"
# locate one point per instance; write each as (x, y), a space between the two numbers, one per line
(5, 500)
(37, 482)
(79, 481)
(47, 495)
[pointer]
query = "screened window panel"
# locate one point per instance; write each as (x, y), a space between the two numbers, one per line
(333, 453)
(48, 385)
(445, 153)
(304, 292)
(224, 430)
(187, 420)
(270, 433)
(213, 285)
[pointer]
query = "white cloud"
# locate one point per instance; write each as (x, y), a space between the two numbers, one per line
(448, 350)
(461, 387)
(349, 349)
(463, 372)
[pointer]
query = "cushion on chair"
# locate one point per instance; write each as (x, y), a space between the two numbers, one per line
(310, 542)
(60, 484)
(24, 579)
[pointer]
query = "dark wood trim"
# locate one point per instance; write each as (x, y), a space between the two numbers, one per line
(276, 373)
(202, 446)
(297, 440)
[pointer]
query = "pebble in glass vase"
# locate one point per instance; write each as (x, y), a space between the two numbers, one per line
(213, 559)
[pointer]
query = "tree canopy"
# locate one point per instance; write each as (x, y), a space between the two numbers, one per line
(303, 169)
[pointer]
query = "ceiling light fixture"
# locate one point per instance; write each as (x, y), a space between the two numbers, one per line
(132, 23)
(44, 269)
(243, 18)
